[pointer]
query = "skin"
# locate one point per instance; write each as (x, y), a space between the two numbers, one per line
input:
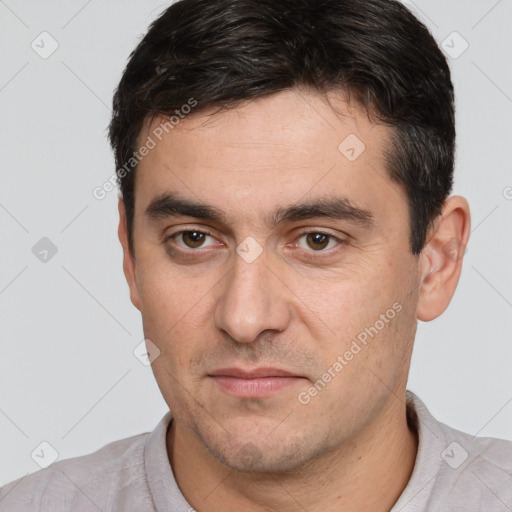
(206, 308)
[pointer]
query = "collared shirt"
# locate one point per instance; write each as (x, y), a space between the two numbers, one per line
(453, 472)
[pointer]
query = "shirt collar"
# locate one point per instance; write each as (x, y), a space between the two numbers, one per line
(161, 481)
(427, 465)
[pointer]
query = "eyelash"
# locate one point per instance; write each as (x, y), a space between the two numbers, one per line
(322, 253)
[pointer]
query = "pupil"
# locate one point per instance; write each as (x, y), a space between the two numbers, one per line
(195, 238)
(318, 239)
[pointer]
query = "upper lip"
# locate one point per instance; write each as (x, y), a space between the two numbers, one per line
(254, 373)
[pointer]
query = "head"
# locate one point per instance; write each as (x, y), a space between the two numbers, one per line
(285, 170)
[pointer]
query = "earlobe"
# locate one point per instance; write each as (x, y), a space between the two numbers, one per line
(441, 259)
(129, 264)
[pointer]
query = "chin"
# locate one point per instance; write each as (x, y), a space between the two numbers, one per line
(258, 456)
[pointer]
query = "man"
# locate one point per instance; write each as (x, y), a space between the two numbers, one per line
(285, 218)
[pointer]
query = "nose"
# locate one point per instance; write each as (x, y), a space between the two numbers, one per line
(253, 300)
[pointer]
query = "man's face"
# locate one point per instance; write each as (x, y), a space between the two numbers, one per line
(252, 309)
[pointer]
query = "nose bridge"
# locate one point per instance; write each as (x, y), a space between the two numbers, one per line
(251, 301)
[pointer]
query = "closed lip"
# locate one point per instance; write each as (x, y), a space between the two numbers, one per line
(254, 373)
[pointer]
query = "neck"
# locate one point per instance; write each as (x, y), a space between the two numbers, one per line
(367, 474)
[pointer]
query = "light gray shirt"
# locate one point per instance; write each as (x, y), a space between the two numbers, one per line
(453, 472)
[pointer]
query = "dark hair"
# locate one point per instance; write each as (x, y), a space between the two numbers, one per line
(223, 52)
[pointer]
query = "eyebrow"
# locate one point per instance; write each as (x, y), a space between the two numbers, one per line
(332, 207)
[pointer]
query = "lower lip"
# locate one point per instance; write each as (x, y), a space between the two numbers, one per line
(260, 387)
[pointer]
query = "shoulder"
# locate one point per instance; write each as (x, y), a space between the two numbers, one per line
(479, 466)
(454, 470)
(461, 452)
(81, 483)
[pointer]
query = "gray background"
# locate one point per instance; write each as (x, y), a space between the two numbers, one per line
(68, 375)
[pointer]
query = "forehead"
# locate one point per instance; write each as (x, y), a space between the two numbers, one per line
(270, 151)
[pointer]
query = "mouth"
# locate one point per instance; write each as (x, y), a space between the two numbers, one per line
(254, 383)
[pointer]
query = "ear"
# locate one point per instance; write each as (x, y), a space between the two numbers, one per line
(441, 258)
(128, 258)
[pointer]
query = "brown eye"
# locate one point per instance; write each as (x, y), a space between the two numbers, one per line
(317, 241)
(192, 239)
(190, 242)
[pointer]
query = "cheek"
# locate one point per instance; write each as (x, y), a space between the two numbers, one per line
(347, 307)
(165, 298)
(176, 314)
(368, 322)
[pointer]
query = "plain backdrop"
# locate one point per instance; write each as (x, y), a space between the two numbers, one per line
(68, 375)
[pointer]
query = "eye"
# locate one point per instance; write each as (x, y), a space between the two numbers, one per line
(318, 241)
(191, 239)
